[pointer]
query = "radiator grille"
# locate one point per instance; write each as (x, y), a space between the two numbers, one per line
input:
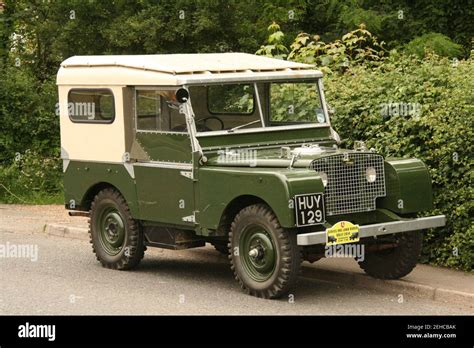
(347, 189)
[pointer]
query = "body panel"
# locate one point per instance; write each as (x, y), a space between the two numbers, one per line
(81, 177)
(219, 186)
(165, 195)
(165, 147)
(408, 186)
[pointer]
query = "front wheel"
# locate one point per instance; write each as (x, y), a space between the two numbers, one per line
(264, 256)
(116, 237)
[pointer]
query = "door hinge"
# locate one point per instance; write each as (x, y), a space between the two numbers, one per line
(187, 174)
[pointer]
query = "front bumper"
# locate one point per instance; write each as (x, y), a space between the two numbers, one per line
(391, 227)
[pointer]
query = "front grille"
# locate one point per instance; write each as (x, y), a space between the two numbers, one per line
(347, 189)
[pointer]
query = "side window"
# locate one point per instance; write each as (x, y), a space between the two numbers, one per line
(157, 110)
(148, 110)
(91, 105)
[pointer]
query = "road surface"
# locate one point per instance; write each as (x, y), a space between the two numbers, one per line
(67, 279)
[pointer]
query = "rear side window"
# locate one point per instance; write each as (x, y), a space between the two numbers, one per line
(91, 105)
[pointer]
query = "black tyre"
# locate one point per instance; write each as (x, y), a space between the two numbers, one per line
(116, 238)
(397, 262)
(264, 256)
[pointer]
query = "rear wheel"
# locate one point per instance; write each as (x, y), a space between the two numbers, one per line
(116, 237)
(264, 256)
(397, 262)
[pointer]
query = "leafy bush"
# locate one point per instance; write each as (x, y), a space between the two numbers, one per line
(434, 42)
(29, 138)
(27, 110)
(31, 178)
(354, 47)
(275, 47)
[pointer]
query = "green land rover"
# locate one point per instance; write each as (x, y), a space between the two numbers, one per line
(236, 150)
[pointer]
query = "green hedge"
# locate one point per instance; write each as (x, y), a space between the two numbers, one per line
(440, 134)
(30, 168)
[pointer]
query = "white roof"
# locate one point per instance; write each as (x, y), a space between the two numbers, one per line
(178, 69)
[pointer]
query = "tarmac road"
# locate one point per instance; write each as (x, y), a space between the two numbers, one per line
(67, 279)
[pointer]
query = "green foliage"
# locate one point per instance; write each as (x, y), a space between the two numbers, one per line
(275, 47)
(433, 42)
(31, 179)
(354, 47)
(29, 130)
(27, 109)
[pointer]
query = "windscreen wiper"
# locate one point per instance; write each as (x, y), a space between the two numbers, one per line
(243, 125)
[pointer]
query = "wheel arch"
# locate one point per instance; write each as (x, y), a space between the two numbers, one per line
(94, 189)
(233, 208)
(86, 201)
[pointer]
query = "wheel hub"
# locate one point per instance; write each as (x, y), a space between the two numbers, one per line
(259, 255)
(111, 230)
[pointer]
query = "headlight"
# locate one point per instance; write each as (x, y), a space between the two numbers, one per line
(324, 178)
(370, 174)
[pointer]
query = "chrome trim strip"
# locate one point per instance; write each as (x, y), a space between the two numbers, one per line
(65, 164)
(129, 167)
(379, 229)
(320, 85)
(259, 104)
(167, 165)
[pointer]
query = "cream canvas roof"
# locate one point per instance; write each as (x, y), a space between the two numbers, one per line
(178, 69)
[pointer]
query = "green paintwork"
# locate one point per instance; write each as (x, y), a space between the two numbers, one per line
(408, 185)
(164, 194)
(166, 147)
(265, 138)
(276, 186)
(81, 177)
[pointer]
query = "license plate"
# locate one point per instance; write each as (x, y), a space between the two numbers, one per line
(341, 233)
(309, 209)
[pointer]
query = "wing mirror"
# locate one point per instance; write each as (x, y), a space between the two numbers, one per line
(182, 95)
